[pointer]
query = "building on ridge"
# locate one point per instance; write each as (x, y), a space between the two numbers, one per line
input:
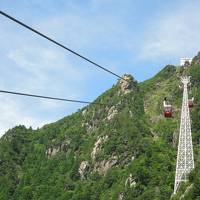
(185, 61)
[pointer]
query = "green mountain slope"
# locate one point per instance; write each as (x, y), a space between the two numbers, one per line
(124, 150)
(191, 189)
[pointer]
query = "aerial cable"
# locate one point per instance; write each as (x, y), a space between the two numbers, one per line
(52, 98)
(59, 44)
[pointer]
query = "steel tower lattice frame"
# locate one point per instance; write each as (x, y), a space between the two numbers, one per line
(185, 158)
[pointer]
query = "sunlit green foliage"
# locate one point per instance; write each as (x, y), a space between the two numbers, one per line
(139, 136)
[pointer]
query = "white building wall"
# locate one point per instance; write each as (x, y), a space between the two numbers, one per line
(183, 60)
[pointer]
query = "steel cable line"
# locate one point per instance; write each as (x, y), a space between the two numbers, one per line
(51, 98)
(59, 44)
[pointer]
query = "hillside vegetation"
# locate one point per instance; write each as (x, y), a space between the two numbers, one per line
(124, 150)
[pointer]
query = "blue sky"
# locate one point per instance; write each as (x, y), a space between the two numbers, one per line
(131, 36)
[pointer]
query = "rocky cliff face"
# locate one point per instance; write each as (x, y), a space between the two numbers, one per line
(126, 84)
(54, 150)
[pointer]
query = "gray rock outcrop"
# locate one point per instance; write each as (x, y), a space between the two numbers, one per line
(97, 146)
(112, 113)
(130, 182)
(103, 166)
(121, 196)
(83, 169)
(52, 151)
(126, 84)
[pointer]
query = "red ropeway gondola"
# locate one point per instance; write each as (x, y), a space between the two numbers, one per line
(167, 108)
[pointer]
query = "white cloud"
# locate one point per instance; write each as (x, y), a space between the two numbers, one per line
(13, 113)
(35, 68)
(44, 69)
(173, 34)
(38, 60)
(84, 30)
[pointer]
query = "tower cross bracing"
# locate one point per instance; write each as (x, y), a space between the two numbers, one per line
(185, 158)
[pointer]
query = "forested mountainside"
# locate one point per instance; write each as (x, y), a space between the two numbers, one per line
(123, 150)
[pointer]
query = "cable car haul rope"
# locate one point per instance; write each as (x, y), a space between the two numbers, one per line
(59, 44)
(51, 98)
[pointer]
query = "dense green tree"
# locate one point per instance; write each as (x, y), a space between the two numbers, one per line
(45, 163)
